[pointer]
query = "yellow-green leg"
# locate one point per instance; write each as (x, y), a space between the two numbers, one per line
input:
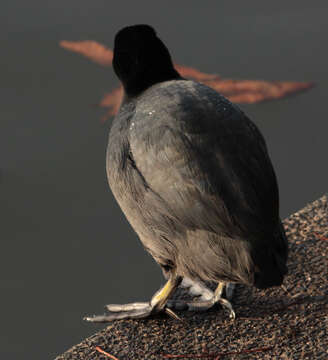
(224, 302)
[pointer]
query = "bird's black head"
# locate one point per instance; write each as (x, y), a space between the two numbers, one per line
(141, 59)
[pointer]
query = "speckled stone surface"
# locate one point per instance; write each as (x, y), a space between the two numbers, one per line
(289, 322)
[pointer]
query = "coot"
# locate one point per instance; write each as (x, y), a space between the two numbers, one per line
(193, 176)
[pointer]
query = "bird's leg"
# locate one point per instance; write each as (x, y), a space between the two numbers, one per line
(207, 298)
(140, 309)
(224, 302)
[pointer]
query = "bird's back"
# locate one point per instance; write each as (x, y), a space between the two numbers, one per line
(194, 178)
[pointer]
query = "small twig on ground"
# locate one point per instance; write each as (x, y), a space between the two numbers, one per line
(106, 353)
(250, 318)
(321, 237)
(217, 356)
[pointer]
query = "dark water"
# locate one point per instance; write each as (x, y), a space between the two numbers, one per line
(66, 249)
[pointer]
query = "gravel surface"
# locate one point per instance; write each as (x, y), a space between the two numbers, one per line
(288, 322)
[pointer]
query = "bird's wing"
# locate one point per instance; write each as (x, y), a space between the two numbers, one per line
(217, 176)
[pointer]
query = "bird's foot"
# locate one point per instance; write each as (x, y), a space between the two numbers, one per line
(160, 303)
(125, 311)
(207, 298)
(140, 310)
(197, 289)
(201, 305)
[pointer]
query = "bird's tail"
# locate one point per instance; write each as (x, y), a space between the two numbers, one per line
(271, 261)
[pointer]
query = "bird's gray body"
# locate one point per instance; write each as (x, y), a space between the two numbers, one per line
(192, 175)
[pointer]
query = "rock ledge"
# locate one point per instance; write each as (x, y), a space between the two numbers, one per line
(288, 322)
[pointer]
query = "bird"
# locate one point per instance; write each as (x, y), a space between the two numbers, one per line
(193, 176)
